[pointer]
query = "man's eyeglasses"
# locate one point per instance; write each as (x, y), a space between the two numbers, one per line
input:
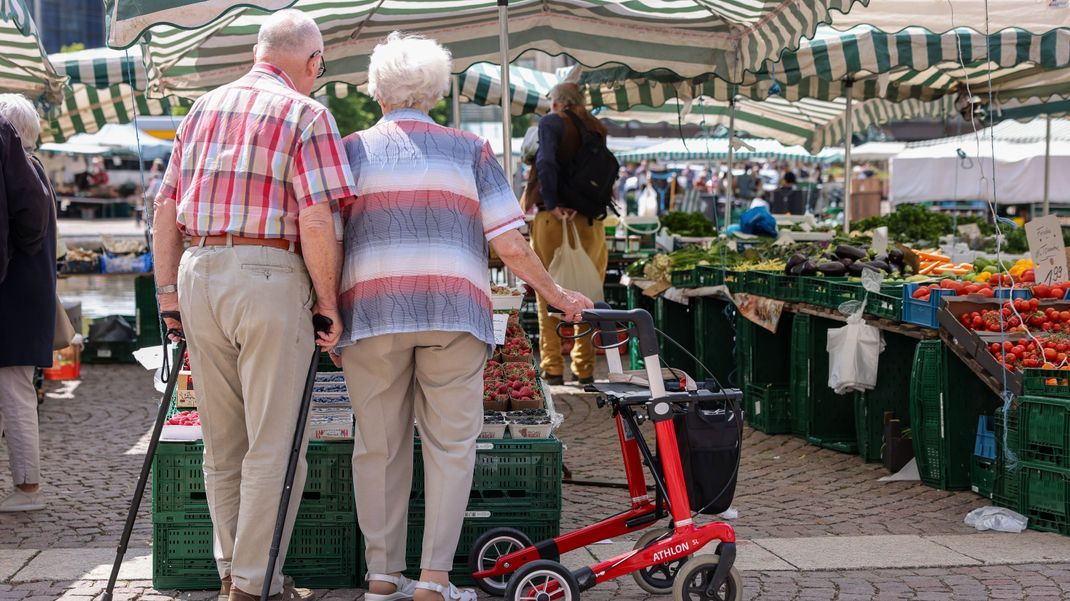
(323, 63)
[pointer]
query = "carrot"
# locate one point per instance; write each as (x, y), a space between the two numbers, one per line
(927, 269)
(932, 257)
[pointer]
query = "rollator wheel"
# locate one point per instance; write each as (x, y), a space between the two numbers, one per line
(692, 581)
(485, 552)
(656, 579)
(542, 580)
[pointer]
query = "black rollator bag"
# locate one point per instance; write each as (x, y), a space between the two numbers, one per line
(710, 437)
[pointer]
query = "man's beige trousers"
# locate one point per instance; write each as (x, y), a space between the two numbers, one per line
(246, 315)
(436, 378)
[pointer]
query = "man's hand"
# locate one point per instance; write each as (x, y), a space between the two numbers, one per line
(328, 340)
(563, 213)
(169, 302)
(572, 304)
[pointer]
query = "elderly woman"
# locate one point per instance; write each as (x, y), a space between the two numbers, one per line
(27, 294)
(416, 303)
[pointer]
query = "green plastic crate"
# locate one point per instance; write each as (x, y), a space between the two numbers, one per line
(760, 283)
(508, 474)
(888, 303)
(785, 287)
(838, 292)
(982, 476)
(1046, 382)
(714, 275)
(946, 399)
(761, 354)
(538, 525)
(1006, 481)
(321, 555)
(616, 295)
(684, 278)
(1045, 431)
(820, 415)
(676, 322)
(714, 339)
(178, 479)
(816, 290)
(768, 408)
(891, 394)
(638, 300)
(148, 316)
(1046, 497)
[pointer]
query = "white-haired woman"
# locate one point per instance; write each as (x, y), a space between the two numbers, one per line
(27, 294)
(416, 304)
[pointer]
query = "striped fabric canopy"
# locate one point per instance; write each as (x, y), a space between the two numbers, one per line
(716, 149)
(24, 67)
(102, 67)
(688, 37)
(86, 109)
(811, 124)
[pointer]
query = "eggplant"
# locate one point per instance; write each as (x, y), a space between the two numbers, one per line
(808, 268)
(851, 252)
(796, 259)
(895, 256)
(832, 268)
(830, 257)
(847, 261)
(882, 258)
(797, 269)
(880, 265)
(855, 269)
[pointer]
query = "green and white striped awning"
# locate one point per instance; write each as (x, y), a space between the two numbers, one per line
(688, 37)
(86, 109)
(102, 67)
(810, 124)
(24, 66)
(716, 149)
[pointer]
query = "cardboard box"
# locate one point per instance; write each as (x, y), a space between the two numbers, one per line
(185, 395)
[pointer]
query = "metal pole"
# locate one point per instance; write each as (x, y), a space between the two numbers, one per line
(455, 101)
(503, 49)
(848, 134)
(730, 198)
(1047, 164)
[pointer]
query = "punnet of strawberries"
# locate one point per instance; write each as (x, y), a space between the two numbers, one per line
(185, 418)
(516, 347)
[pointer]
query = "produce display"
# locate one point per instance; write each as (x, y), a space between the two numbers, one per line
(185, 418)
(688, 225)
(847, 260)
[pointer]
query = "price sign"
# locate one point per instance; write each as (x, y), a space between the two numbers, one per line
(501, 322)
(880, 240)
(1045, 236)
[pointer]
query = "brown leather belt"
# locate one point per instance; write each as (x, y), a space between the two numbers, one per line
(224, 240)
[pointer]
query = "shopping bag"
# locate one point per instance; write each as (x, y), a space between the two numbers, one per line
(648, 202)
(571, 268)
(853, 354)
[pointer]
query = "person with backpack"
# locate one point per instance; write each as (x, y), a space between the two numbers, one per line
(572, 180)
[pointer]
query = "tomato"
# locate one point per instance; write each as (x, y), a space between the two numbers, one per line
(1006, 312)
(986, 292)
(1033, 304)
(920, 292)
(1057, 292)
(992, 326)
(1020, 305)
(1060, 357)
(977, 323)
(1048, 326)
(1018, 350)
(951, 285)
(1064, 315)
(1062, 347)
(1008, 345)
(1041, 291)
(1009, 357)
(1030, 363)
(1029, 275)
(994, 348)
(970, 289)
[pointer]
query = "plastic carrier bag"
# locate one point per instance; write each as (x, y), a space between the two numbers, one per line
(710, 435)
(648, 202)
(854, 351)
(572, 269)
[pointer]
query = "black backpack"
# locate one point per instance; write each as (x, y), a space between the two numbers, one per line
(587, 180)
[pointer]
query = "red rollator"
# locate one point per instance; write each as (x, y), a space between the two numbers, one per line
(505, 562)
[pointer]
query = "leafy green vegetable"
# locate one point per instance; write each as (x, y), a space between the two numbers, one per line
(688, 224)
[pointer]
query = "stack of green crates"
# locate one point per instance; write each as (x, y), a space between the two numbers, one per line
(946, 399)
(516, 484)
(675, 322)
(714, 332)
(324, 549)
(820, 415)
(890, 395)
(760, 359)
(148, 313)
(1041, 445)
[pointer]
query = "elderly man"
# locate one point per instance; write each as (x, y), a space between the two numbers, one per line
(27, 294)
(256, 167)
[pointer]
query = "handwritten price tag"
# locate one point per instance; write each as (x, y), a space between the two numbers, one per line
(501, 322)
(1045, 236)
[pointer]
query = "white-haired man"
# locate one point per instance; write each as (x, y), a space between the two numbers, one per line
(255, 169)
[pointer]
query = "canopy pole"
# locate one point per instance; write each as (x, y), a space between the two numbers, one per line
(503, 49)
(455, 101)
(848, 135)
(1047, 163)
(731, 196)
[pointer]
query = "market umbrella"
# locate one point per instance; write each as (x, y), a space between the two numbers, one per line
(86, 109)
(24, 66)
(702, 149)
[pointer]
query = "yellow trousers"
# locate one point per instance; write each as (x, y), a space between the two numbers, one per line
(546, 238)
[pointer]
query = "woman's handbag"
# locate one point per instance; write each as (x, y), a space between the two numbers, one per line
(64, 330)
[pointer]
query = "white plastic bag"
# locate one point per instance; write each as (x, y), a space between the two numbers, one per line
(999, 519)
(648, 202)
(853, 354)
(571, 268)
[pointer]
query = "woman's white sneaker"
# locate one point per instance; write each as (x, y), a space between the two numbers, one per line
(20, 500)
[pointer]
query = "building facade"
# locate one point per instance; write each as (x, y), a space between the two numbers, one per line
(66, 22)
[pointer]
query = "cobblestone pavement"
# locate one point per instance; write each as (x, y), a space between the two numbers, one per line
(94, 435)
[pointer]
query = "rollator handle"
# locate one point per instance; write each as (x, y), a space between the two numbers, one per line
(606, 319)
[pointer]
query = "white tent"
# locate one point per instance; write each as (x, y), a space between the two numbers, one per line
(117, 140)
(877, 151)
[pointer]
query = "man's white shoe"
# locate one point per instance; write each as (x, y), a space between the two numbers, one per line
(22, 501)
(405, 588)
